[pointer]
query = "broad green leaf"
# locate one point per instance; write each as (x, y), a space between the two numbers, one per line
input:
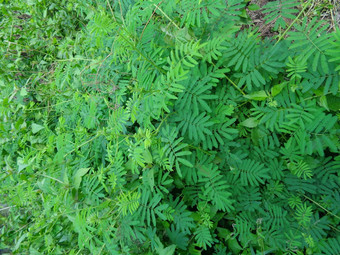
(333, 102)
(250, 122)
(36, 128)
(323, 102)
(258, 95)
(277, 89)
(21, 164)
(23, 92)
(147, 156)
(78, 176)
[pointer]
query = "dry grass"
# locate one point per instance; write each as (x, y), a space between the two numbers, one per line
(327, 10)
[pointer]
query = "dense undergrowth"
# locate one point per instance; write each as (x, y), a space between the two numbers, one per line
(168, 127)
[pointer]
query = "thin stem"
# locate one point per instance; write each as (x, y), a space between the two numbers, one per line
(79, 146)
(232, 83)
(241, 91)
(121, 12)
(52, 178)
(167, 16)
(291, 24)
(9, 42)
(336, 216)
(40, 108)
(108, 3)
(7, 208)
(149, 20)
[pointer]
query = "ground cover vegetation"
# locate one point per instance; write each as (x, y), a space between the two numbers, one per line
(169, 127)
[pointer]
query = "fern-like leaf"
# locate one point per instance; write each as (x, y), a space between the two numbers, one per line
(250, 171)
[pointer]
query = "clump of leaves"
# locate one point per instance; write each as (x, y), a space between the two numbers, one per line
(158, 127)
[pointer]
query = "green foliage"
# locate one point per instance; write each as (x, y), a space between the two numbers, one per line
(167, 127)
(278, 11)
(307, 38)
(203, 237)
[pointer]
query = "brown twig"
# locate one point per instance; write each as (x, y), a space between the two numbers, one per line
(121, 12)
(150, 19)
(108, 3)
